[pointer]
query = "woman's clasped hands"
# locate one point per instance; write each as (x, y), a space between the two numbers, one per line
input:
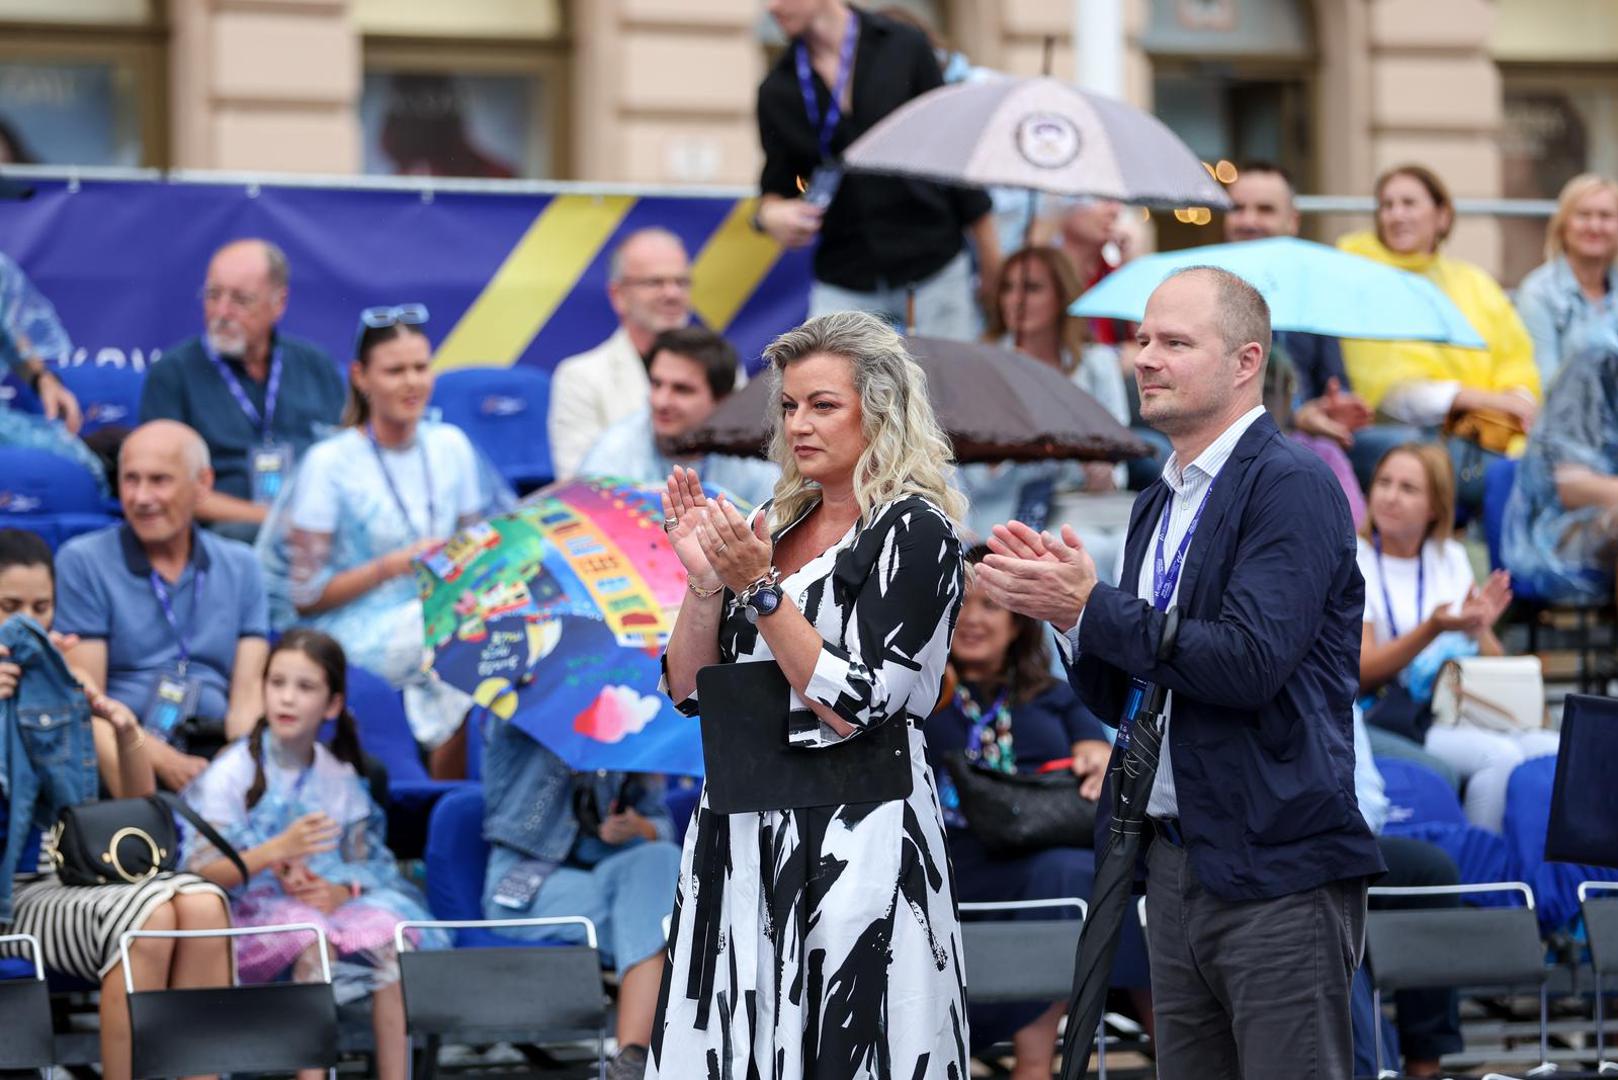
(712, 538)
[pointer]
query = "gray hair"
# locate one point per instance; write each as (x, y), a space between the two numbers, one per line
(615, 264)
(906, 451)
(277, 269)
(1244, 314)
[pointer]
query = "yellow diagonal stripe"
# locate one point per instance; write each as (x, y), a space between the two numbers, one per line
(536, 277)
(731, 265)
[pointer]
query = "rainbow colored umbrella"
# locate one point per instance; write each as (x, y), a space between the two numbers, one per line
(554, 616)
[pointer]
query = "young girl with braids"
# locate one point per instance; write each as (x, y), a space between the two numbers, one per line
(303, 821)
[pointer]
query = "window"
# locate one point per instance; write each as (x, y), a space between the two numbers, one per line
(82, 96)
(1557, 125)
(490, 112)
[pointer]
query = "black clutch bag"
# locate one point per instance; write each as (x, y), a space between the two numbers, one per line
(1014, 813)
(751, 766)
(127, 841)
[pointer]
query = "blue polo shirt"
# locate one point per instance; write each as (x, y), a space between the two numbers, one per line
(104, 592)
(184, 385)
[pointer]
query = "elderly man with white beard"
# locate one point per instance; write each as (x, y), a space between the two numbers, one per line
(258, 396)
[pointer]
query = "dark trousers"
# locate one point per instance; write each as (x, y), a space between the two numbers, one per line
(1250, 989)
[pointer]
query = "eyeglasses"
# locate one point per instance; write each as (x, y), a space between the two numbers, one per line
(681, 282)
(408, 314)
(213, 294)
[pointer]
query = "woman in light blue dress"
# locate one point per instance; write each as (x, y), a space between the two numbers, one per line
(32, 341)
(1568, 302)
(340, 545)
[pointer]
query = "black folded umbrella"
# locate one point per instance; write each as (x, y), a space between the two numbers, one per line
(1133, 771)
(995, 404)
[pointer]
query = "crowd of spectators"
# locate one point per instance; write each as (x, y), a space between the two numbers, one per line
(262, 501)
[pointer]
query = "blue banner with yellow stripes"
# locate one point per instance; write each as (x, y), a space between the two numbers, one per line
(508, 277)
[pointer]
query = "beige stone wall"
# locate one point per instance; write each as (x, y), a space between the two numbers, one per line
(1435, 99)
(264, 85)
(664, 90)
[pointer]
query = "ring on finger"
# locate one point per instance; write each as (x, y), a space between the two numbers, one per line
(670, 524)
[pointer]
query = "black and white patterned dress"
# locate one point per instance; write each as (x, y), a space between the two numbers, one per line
(838, 950)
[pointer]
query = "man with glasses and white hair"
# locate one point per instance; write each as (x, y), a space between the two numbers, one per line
(258, 396)
(649, 285)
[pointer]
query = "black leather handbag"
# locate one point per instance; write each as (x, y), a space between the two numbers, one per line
(125, 841)
(1015, 813)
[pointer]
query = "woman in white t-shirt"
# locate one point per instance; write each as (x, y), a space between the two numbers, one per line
(1423, 606)
(365, 503)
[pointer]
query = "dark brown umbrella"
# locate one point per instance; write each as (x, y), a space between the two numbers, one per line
(995, 404)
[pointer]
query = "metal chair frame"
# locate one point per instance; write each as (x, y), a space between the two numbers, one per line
(1602, 1064)
(227, 932)
(1003, 906)
(401, 946)
(1545, 1066)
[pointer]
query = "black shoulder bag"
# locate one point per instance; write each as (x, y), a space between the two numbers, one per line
(126, 841)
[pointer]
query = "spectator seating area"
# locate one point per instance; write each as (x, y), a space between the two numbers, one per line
(502, 410)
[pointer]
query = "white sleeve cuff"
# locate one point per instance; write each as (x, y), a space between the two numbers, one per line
(1420, 402)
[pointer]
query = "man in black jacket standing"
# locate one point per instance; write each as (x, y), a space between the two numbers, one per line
(881, 237)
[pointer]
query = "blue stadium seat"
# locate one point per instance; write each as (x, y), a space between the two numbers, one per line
(48, 494)
(456, 858)
(109, 394)
(385, 736)
(504, 412)
(1417, 795)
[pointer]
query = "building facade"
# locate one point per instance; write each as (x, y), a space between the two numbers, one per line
(1501, 97)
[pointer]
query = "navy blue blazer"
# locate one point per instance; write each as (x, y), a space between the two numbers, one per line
(1264, 672)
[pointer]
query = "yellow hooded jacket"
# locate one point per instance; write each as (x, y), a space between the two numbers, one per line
(1376, 367)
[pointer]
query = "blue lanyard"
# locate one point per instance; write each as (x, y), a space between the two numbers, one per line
(1166, 579)
(160, 589)
(1382, 579)
(827, 125)
(272, 389)
(393, 489)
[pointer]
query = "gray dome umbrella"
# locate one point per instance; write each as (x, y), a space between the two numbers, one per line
(995, 404)
(1041, 134)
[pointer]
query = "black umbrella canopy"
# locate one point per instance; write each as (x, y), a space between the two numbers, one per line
(995, 404)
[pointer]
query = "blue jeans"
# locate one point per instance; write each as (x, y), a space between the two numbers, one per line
(945, 307)
(627, 895)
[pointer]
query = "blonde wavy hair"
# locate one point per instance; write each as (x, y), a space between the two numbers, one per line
(906, 452)
(1572, 193)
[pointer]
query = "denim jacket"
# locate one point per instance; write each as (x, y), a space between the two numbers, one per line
(530, 796)
(47, 754)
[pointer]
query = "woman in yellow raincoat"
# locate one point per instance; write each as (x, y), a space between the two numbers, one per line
(1485, 399)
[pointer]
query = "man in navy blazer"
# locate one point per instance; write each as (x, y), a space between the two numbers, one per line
(1256, 879)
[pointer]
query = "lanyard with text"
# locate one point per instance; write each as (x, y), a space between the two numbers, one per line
(1387, 601)
(272, 390)
(393, 489)
(1166, 578)
(827, 125)
(160, 589)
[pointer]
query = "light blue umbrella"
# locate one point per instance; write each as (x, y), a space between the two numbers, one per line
(1310, 287)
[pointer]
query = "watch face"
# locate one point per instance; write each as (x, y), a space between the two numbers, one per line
(767, 600)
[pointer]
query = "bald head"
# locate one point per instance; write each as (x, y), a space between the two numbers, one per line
(163, 472)
(172, 440)
(1243, 313)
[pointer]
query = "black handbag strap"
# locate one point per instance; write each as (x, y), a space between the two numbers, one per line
(223, 846)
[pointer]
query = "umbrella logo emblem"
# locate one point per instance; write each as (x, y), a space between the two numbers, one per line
(1047, 140)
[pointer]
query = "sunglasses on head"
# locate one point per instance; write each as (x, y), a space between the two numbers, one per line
(408, 314)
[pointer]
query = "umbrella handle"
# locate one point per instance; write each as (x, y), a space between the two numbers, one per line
(1165, 649)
